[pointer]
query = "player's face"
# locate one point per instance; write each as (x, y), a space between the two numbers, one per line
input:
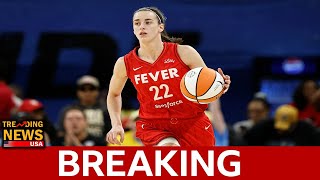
(146, 26)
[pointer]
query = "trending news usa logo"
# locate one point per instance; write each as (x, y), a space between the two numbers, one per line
(22, 134)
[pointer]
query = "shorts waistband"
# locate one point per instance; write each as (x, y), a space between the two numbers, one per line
(173, 119)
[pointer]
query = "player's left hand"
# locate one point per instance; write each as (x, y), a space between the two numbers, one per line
(227, 80)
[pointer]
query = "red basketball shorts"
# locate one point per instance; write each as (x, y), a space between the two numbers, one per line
(189, 132)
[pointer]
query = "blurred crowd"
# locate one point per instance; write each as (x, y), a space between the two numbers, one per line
(85, 122)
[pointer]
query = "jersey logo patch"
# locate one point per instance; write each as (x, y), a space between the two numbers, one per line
(169, 61)
(134, 69)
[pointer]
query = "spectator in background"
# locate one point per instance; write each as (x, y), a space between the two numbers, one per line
(88, 100)
(75, 130)
(302, 100)
(258, 109)
(221, 131)
(284, 129)
(8, 100)
(316, 105)
(18, 94)
(17, 90)
(34, 110)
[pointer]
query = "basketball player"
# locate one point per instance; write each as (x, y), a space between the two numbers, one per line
(155, 68)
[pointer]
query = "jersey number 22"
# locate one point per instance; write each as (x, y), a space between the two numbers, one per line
(157, 91)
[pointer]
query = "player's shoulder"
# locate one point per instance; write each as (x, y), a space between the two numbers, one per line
(120, 60)
(129, 56)
(120, 67)
(185, 49)
(120, 64)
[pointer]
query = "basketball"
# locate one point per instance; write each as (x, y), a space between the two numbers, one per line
(202, 85)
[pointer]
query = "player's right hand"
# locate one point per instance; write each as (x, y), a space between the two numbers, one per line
(112, 135)
(227, 80)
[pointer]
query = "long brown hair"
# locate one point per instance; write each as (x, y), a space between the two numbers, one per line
(161, 20)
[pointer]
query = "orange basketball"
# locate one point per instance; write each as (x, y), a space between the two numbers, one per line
(202, 85)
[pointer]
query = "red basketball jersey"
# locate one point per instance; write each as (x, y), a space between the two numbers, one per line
(158, 85)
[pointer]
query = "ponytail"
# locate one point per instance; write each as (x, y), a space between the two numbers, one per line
(166, 38)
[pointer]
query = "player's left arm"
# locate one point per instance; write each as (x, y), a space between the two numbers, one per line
(192, 59)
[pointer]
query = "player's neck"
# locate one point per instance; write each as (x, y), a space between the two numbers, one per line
(151, 51)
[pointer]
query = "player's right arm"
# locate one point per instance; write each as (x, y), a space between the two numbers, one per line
(114, 102)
